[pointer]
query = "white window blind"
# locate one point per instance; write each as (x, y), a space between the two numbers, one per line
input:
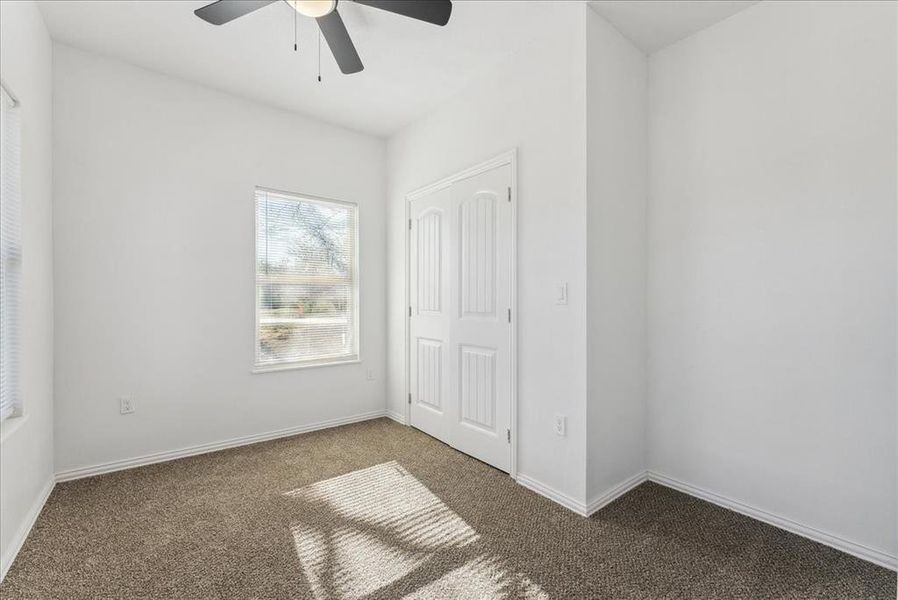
(10, 255)
(306, 281)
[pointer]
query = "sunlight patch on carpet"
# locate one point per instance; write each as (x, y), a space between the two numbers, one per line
(365, 531)
(481, 577)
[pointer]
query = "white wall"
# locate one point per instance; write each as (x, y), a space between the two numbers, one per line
(154, 261)
(534, 101)
(26, 449)
(771, 285)
(772, 264)
(617, 171)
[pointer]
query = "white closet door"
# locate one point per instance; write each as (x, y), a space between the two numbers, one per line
(480, 328)
(460, 346)
(429, 321)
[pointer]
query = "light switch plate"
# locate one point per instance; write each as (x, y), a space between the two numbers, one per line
(561, 294)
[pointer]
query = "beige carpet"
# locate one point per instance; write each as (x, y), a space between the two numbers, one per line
(380, 511)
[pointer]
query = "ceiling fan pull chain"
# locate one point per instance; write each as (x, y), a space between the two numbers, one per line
(330, 23)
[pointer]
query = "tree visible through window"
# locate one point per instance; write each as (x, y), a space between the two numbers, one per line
(306, 280)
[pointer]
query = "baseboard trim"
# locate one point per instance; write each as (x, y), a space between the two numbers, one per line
(859, 550)
(582, 509)
(552, 494)
(609, 496)
(158, 457)
(25, 528)
(398, 417)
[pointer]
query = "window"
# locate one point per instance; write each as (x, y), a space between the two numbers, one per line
(10, 256)
(306, 281)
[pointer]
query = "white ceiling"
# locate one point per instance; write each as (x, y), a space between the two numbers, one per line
(409, 66)
(654, 24)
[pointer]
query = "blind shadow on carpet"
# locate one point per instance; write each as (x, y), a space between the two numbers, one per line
(380, 533)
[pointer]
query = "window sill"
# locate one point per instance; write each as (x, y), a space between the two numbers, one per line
(10, 425)
(307, 365)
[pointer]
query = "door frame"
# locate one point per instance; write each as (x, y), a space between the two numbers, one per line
(506, 158)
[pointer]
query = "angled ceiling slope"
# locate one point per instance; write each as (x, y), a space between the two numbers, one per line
(410, 66)
(654, 24)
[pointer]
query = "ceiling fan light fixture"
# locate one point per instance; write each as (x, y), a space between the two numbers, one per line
(313, 8)
(330, 24)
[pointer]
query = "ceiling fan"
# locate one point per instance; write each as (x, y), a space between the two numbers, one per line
(329, 21)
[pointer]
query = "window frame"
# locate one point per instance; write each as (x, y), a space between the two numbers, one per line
(15, 258)
(348, 359)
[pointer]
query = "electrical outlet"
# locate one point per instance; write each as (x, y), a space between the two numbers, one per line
(560, 425)
(126, 405)
(370, 374)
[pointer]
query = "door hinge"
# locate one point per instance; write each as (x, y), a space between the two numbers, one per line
(409, 397)
(509, 193)
(409, 224)
(409, 311)
(509, 315)
(508, 435)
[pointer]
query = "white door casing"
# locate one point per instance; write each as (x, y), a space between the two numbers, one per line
(461, 299)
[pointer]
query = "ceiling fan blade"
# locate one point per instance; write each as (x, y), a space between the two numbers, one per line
(431, 11)
(219, 13)
(340, 43)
